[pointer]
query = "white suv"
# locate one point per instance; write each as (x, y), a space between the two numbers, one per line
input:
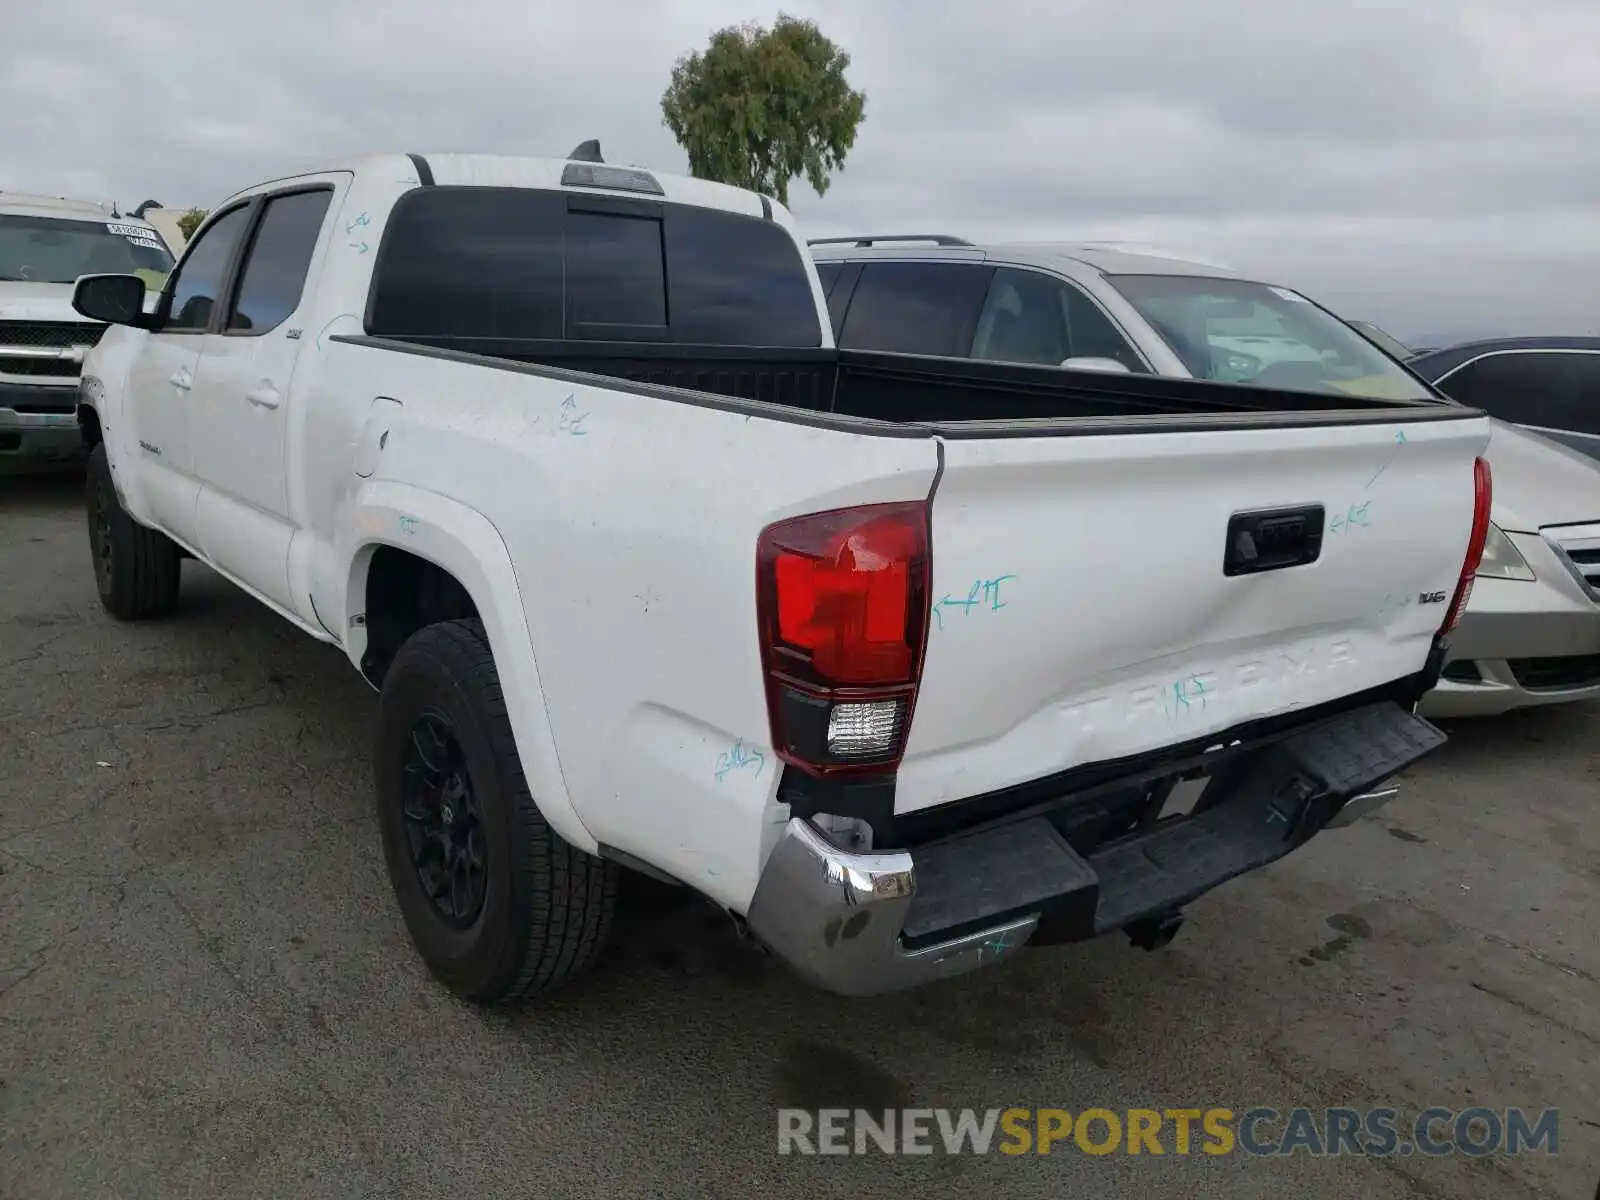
(1093, 307)
(46, 242)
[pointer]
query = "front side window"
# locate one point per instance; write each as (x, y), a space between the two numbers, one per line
(198, 283)
(1238, 331)
(1030, 317)
(279, 260)
(58, 250)
(916, 308)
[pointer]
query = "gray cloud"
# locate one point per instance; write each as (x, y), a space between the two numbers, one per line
(1426, 165)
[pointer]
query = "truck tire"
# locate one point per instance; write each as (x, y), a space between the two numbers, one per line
(136, 570)
(498, 906)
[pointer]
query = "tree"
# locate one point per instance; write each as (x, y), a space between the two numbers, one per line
(762, 106)
(190, 221)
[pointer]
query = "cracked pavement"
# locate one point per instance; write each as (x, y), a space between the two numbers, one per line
(206, 990)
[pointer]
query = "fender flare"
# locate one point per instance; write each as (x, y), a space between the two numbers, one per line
(464, 542)
(93, 396)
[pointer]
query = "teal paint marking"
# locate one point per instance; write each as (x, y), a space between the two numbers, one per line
(1400, 440)
(984, 593)
(323, 331)
(739, 757)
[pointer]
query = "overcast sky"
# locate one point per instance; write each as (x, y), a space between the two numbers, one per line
(1428, 165)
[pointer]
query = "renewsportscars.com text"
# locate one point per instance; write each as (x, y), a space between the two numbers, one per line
(1375, 1132)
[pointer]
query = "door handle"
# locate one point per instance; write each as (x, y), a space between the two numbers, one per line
(181, 379)
(265, 396)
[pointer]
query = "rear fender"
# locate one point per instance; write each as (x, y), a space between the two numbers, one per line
(462, 541)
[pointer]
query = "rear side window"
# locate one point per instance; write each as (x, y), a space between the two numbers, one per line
(916, 308)
(1547, 388)
(471, 263)
(518, 264)
(279, 259)
(828, 273)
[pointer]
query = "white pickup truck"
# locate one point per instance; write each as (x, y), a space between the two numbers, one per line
(904, 663)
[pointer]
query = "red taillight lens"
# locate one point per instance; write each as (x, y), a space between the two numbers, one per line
(1482, 502)
(842, 602)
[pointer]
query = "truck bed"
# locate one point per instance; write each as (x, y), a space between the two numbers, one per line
(911, 389)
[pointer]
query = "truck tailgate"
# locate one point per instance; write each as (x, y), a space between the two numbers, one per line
(1082, 610)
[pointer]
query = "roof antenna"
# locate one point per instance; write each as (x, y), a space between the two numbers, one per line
(586, 152)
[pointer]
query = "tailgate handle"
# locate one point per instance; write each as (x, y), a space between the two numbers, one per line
(1271, 539)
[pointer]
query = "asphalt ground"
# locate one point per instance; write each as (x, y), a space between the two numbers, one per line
(206, 989)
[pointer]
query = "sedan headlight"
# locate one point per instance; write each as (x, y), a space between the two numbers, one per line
(1501, 559)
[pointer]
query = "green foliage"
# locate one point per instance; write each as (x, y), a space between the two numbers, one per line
(190, 221)
(760, 107)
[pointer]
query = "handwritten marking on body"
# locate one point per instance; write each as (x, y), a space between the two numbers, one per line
(332, 323)
(571, 420)
(1357, 516)
(983, 595)
(360, 222)
(1183, 696)
(1400, 440)
(739, 757)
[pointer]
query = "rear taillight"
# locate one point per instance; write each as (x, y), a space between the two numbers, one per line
(1482, 501)
(842, 605)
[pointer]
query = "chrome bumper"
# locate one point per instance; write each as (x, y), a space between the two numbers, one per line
(861, 924)
(1512, 627)
(47, 435)
(835, 917)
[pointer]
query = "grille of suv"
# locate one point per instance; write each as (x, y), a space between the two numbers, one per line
(21, 341)
(49, 333)
(1566, 671)
(1580, 546)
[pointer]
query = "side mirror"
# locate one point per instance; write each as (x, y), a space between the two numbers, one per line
(1088, 363)
(114, 299)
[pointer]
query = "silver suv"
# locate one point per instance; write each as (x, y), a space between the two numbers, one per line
(1093, 307)
(1531, 633)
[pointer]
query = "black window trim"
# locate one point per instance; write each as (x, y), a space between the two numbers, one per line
(840, 296)
(163, 313)
(247, 245)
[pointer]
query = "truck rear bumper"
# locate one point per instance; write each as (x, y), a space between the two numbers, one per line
(865, 923)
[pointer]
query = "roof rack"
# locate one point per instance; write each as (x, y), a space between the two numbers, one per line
(938, 239)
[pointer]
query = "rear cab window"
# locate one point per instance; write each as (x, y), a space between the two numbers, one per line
(1239, 331)
(469, 265)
